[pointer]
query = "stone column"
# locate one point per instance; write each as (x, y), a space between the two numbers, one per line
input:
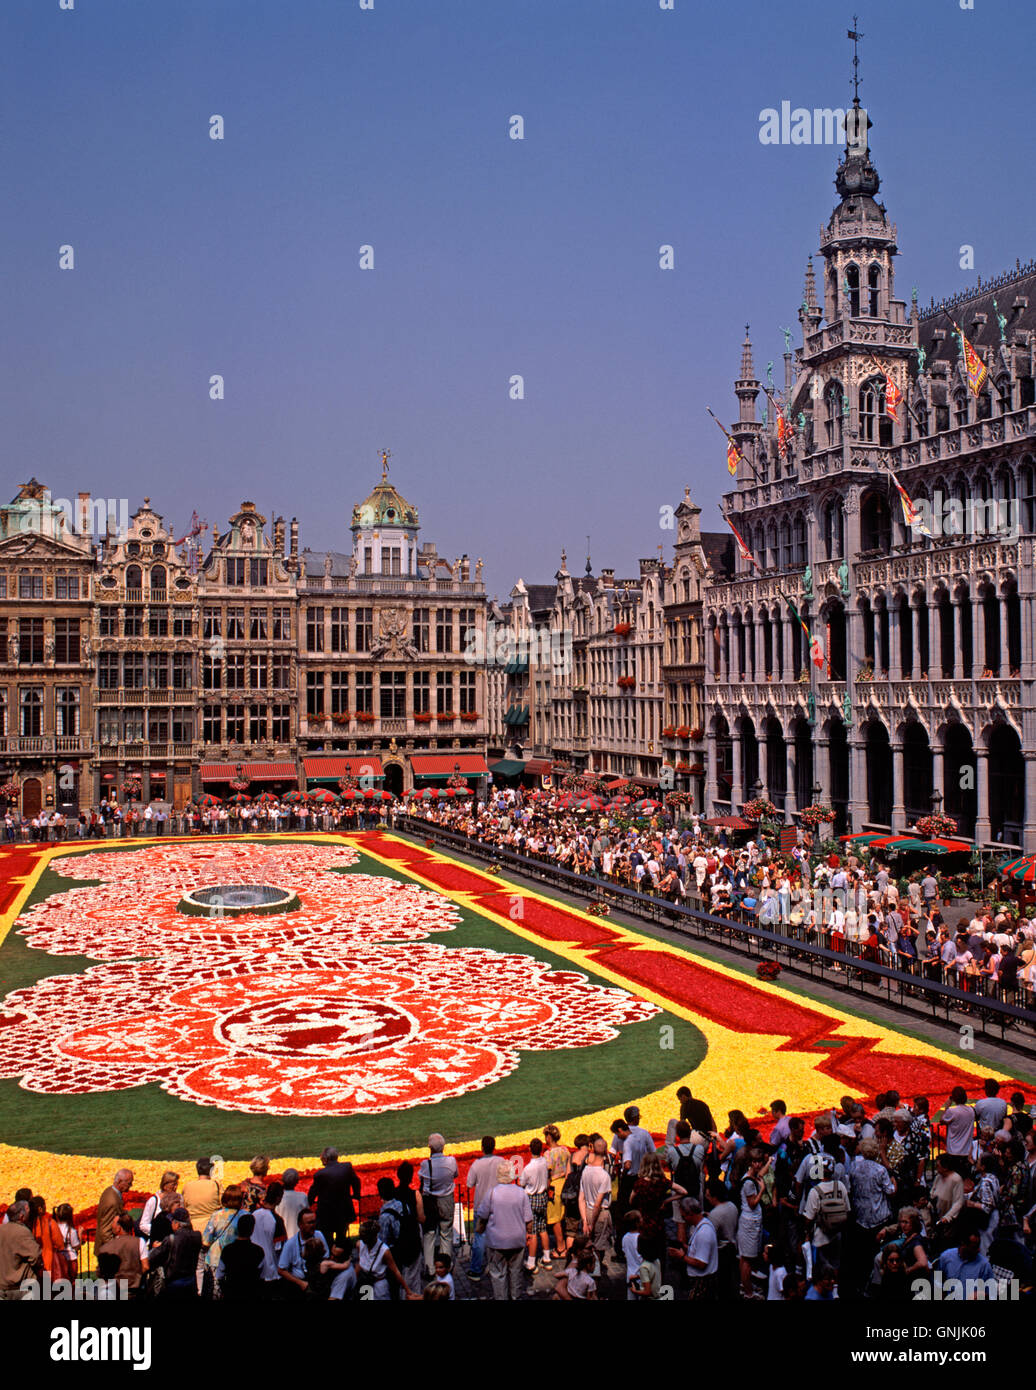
(915, 668)
(858, 804)
(760, 650)
(939, 769)
(711, 775)
(1005, 647)
(898, 807)
(895, 649)
(791, 799)
(737, 790)
(1029, 818)
(958, 639)
(983, 825)
(822, 764)
(978, 637)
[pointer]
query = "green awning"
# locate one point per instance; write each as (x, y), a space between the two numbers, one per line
(507, 767)
(902, 846)
(518, 714)
(516, 665)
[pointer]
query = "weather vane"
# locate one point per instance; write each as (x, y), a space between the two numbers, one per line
(386, 454)
(856, 36)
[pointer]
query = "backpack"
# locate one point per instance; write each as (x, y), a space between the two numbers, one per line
(833, 1207)
(687, 1173)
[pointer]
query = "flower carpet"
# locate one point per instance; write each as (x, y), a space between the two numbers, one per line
(401, 992)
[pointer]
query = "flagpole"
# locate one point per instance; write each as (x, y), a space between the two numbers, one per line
(730, 440)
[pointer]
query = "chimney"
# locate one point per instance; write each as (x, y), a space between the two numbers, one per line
(83, 519)
(607, 579)
(278, 536)
(294, 538)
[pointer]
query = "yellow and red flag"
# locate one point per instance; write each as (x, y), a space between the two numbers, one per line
(893, 396)
(974, 367)
(784, 433)
(911, 515)
(733, 456)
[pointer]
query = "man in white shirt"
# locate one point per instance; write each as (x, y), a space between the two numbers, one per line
(702, 1253)
(595, 1197)
(535, 1179)
(992, 1108)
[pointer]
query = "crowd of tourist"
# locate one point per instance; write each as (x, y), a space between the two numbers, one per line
(849, 902)
(111, 820)
(882, 1201)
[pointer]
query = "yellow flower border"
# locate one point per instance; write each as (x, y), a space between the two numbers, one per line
(733, 1061)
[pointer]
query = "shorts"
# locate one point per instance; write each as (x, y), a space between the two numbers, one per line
(555, 1206)
(538, 1202)
(603, 1233)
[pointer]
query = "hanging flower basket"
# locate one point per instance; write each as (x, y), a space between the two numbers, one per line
(759, 809)
(816, 815)
(768, 969)
(935, 826)
(674, 800)
(9, 790)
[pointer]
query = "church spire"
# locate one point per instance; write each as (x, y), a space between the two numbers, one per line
(747, 369)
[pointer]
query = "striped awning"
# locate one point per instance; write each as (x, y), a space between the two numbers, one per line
(250, 772)
(218, 772)
(445, 764)
(537, 767)
(343, 765)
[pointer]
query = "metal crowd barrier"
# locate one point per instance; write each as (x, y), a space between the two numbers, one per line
(1001, 1019)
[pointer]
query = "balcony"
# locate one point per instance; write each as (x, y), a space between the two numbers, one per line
(42, 744)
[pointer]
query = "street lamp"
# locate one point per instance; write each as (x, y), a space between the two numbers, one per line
(818, 792)
(936, 800)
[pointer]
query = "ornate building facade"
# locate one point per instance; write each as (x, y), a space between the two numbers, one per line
(145, 636)
(248, 597)
(391, 683)
(925, 700)
(46, 672)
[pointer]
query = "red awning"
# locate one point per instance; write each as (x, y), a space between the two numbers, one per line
(218, 772)
(157, 775)
(730, 823)
(614, 786)
(889, 840)
(954, 846)
(350, 765)
(269, 772)
(443, 764)
(537, 767)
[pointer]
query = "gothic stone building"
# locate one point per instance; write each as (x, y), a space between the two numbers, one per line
(926, 699)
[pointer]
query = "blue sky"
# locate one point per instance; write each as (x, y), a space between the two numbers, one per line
(492, 257)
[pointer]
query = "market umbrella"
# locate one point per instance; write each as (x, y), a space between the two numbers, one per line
(646, 804)
(864, 838)
(1022, 870)
(592, 803)
(204, 802)
(239, 799)
(266, 799)
(323, 796)
(911, 846)
(295, 798)
(372, 794)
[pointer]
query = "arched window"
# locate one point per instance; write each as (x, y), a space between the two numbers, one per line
(875, 523)
(852, 280)
(872, 404)
(158, 579)
(833, 532)
(799, 541)
(833, 414)
(134, 578)
(873, 289)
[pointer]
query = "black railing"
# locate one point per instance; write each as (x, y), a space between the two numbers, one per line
(992, 1013)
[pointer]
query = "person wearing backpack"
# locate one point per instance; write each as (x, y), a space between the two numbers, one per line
(686, 1158)
(827, 1214)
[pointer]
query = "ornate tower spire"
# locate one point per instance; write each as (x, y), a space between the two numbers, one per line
(747, 369)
